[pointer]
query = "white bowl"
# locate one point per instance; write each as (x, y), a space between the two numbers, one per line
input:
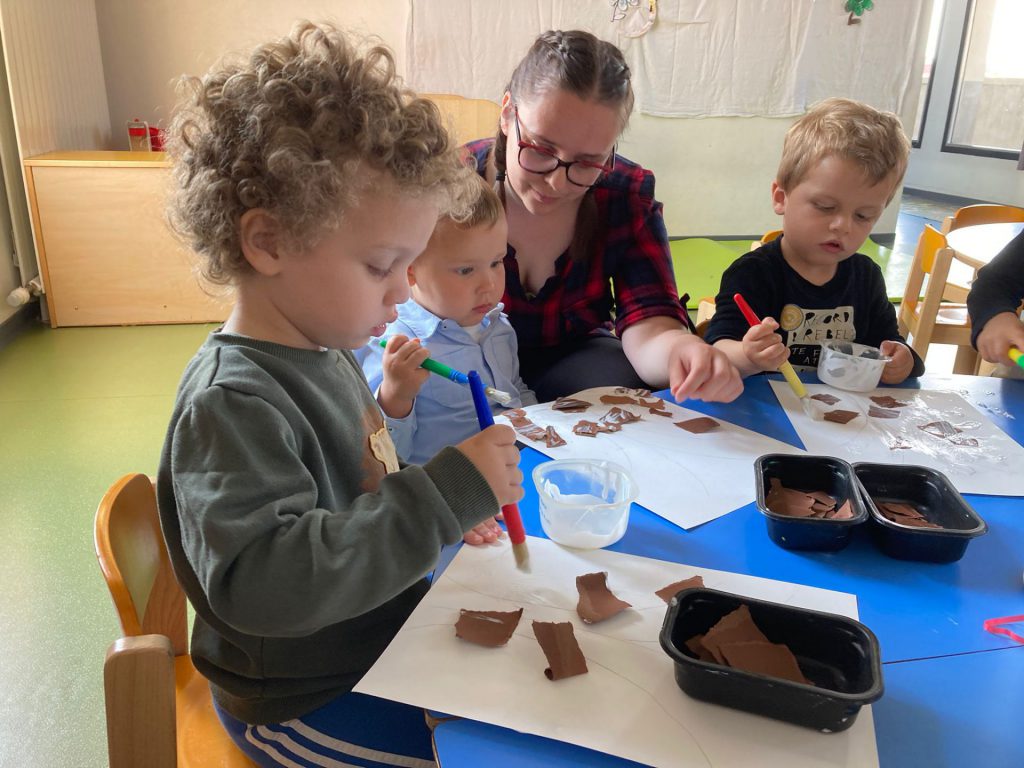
(851, 366)
(584, 503)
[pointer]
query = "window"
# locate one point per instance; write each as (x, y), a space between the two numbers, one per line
(929, 67)
(987, 113)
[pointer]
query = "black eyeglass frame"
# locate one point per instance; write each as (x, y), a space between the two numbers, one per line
(559, 162)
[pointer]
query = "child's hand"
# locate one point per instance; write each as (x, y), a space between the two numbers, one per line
(764, 347)
(1001, 332)
(493, 452)
(897, 369)
(403, 375)
(486, 533)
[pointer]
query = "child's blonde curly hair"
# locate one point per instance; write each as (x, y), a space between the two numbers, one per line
(872, 139)
(292, 130)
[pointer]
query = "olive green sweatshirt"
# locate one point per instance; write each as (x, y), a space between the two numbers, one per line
(300, 543)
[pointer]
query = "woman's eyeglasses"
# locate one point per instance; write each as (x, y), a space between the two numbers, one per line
(534, 159)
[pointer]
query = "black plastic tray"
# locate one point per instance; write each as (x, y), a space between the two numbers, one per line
(839, 655)
(812, 473)
(935, 497)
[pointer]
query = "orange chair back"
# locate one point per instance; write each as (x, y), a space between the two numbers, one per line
(771, 234)
(159, 709)
(134, 561)
(985, 213)
(467, 119)
(928, 245)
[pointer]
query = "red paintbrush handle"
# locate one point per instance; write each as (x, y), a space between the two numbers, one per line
(746, 310)
(514, 523)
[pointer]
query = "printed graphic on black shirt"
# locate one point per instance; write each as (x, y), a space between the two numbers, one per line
(807, 328)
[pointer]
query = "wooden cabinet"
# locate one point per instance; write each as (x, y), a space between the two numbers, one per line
(106, 253)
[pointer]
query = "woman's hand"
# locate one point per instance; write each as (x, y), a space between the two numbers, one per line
(663, 352)
(701, 372)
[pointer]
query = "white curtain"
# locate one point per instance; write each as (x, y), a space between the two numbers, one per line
(701, 58)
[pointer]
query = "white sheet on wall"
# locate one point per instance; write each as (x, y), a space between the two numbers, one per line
(702, 58)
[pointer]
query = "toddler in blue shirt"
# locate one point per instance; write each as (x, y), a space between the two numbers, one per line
(455, 317)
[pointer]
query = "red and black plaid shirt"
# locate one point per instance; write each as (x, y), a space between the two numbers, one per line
(632, 252)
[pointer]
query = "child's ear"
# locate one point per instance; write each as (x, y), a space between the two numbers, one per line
(260, 237)
(410, 273)
(778, 198)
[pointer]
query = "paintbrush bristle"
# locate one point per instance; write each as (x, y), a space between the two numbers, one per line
(522, 555)
(504, 398)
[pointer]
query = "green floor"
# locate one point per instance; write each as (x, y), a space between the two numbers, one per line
(80, 407)
(699, 263)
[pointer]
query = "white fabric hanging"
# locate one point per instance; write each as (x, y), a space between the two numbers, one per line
(699, 58)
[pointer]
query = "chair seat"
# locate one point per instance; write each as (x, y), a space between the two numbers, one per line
(202, 740)
(955, 315)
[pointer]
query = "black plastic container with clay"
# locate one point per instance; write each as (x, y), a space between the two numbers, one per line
(934, 496)
(839, 656)
(809, 473)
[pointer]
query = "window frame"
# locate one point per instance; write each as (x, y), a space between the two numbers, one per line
(954, 102)
(915, 141)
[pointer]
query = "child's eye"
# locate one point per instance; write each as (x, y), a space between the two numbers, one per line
(497, 263)
(463, 271)
(377, 272)
(863, 217)
(823, 208)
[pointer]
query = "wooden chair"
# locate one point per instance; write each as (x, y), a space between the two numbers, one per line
(159, 710)
(467, 119)
(940, 317)
(767, 237)
(983, 213)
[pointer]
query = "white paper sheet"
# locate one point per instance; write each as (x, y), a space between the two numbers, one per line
(628, 704)
(991, 467)
(685, 478)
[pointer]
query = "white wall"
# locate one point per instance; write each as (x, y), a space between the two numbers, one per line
(713, 174)
(931, 169)
(58, 100)
(148, 45)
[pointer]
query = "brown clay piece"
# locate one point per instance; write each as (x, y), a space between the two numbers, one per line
(597, 602)
(558, 641)
(699, 425)
(488, 628)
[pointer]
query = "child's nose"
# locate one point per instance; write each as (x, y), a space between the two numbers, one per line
(398, 291)
(841, 223)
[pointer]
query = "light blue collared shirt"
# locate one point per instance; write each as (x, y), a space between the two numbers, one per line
(443, 412)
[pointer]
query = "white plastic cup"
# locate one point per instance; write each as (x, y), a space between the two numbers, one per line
(850, 366)
(584, 503)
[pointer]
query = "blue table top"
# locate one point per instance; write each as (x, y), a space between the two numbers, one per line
(918, 611)
(913, 727)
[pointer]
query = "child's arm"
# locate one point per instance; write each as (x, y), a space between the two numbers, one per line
(403, 376)
(992, 303)
(279, 528)
(997, 336)
(885, 333)
(526, 395)
(902, 364)
(761, 349)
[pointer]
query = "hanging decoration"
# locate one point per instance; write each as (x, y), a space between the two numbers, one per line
(857, 8)
(635, 17)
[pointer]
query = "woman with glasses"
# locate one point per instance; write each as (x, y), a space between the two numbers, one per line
(587, 247)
